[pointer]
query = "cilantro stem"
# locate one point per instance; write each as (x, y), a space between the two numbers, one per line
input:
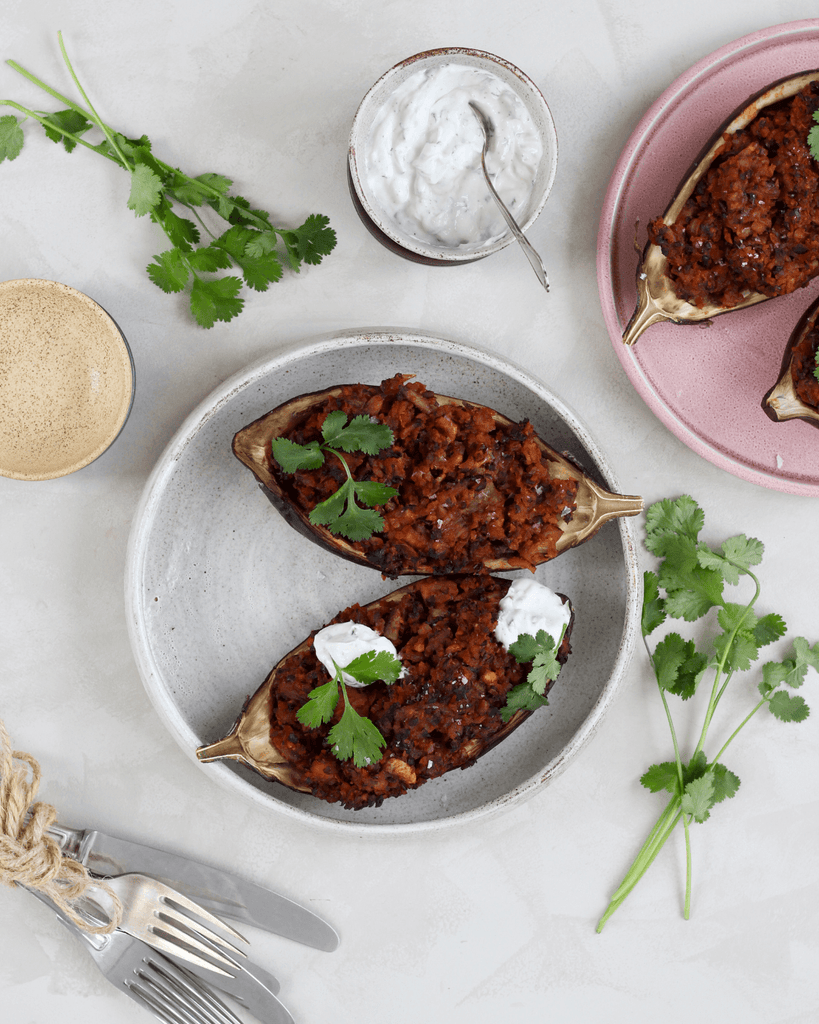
(716, 692)
(655, 841)
(95, 116)
(47, 88)
(740, 727)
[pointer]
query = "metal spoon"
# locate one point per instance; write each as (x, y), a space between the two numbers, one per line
(532, 256)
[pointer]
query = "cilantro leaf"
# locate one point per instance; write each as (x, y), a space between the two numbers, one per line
(769, 628)
(182, 232)
(371, 492)
(321, 705)
(374, 666)
(262, 243)
(332, 508)
(792, 670)
(357, 523)
(291, 456)
(813, 139)
(259, 273)
(788, 708)
(661, 776)
(726, 783)
(312, 241)
(541, 651)
(653, 614)
(341, 513)
(524, 649)
(698, 797)
(682, 516)
(521, 698)
(804, 657)
(356, 737)
(333, 425)
(11, 137)
(66, 121)
(209, 258)
(678, 665)
(169, 271)
(690, 593)
(215, 300)
(738, 554)
(361, 434)
(146, 190)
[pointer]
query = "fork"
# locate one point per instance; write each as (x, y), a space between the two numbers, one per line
(170, 922)
(171, 993)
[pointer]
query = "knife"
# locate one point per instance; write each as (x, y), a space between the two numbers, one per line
(217, 891)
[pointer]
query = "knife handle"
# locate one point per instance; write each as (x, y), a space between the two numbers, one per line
(68, 839)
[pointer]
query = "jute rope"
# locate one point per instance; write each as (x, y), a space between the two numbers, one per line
(31, 857)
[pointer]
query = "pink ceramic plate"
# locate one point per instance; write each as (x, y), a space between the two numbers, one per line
(706, 384)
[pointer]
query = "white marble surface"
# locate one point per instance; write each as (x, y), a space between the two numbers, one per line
(480, 923)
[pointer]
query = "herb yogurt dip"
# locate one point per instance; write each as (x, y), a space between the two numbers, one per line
(423, 156)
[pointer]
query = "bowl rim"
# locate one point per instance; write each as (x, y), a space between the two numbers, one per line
(404, 244)
(58, 287)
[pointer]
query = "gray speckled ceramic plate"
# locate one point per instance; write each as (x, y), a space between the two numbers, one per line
(219, 588)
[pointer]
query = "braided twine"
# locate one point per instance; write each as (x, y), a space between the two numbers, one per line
(28, 855)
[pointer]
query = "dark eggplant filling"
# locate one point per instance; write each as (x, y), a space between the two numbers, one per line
(443, 714)
(752, 222)
(803, 367)
(471, 490)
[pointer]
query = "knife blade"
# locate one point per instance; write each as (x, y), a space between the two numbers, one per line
(218, 891)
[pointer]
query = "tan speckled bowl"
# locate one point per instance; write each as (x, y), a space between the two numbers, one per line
(66, 380)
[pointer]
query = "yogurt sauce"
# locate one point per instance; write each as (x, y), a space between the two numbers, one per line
(527, 607)
(342, 642)
(423, 156)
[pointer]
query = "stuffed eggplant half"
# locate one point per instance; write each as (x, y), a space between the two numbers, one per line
(459, 487)
(796, 394)
(742, 227)
(459, 691)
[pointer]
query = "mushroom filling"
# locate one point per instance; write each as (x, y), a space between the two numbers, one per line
(471, 490)
(751, 222)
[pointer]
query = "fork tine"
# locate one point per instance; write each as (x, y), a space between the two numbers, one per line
(181, 903)
(189, 949)
(179, 995)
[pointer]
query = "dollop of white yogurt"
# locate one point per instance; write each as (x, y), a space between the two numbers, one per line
(343, 642)
(527, 607)
(423, 156)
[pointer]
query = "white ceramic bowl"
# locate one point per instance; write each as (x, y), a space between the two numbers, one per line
(380, 224)
(219, 587)
(66, 380)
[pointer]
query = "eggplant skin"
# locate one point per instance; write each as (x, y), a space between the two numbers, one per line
(573, 508)
(657, 299)
(782, 402)
(444, 714)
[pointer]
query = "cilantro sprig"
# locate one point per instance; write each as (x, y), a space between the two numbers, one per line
(353, 736)
(541, 650)
(813, 137)
(693, 576)
(250, 243)
(341, 513)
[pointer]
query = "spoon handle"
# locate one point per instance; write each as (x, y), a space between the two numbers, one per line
(531, 254)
